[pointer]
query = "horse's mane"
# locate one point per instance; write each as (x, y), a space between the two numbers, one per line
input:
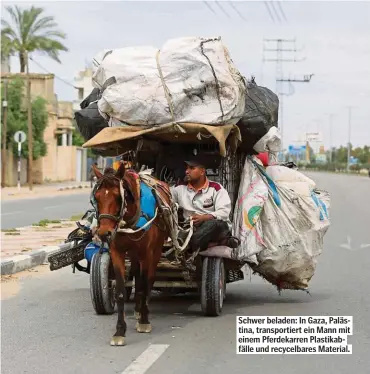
(109, 178)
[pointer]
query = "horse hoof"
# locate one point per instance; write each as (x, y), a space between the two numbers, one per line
(117, 341)
(143, 327)
(137, 315)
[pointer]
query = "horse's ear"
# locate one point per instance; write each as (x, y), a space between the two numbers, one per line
(120, 171)
(97, 173)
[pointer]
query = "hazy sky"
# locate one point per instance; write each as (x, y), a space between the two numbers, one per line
(334, 38)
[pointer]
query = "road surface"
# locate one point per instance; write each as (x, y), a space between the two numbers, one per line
(48, 323)
(25, 212)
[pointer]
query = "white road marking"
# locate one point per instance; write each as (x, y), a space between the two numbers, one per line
(146, 359)
(15, 212)
(53, 206)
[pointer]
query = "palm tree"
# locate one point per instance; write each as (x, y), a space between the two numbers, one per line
(30, 32)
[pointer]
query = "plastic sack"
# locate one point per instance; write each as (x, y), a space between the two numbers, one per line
(293, 227)
(291, 179)
(189, 79)
(89, 121)
(261, 114)
(252, 195)
(270, 142)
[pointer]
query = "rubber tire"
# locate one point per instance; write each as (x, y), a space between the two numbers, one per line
(102, 297)
(213, 286)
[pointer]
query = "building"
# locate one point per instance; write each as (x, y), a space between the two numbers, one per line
(83, 85)
(63, 161)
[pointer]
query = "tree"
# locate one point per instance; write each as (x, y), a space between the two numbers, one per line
(30, 32)
(17, 120)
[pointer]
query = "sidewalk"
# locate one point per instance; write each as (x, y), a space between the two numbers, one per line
(44, 190)
(27, 247)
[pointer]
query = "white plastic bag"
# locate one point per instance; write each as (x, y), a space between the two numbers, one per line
(290, 227)
(293, 228)
(252, 195)
(203, 84)
(291, 179)
(270, 142)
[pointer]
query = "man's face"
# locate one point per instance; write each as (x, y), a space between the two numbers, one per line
(194, 173)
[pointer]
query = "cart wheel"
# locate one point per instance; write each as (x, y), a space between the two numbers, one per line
(102, 288)
(213, 286)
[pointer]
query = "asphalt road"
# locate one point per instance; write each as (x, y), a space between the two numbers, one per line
(49, 326)
(25, 212)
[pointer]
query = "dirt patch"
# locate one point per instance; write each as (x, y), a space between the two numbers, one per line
(11, 285)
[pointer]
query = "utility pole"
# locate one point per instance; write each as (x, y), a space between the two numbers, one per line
(279, 59)
(279, 49)
(349, 138)
(3, 149)
(30, 137)
(330, 137)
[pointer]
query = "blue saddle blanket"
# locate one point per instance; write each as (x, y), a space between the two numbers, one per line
(148, 205)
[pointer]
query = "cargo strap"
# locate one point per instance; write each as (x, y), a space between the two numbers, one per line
(168, 94)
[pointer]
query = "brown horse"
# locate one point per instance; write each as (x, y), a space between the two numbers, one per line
(118, 202)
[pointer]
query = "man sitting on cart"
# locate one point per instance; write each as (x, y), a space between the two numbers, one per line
(208, 204)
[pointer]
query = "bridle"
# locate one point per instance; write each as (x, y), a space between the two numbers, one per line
(123, 208)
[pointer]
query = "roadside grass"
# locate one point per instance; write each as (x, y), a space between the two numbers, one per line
(45, 222)
(76, 217)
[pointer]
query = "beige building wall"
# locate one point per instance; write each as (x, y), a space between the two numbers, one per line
(66, 163)
(59, 164)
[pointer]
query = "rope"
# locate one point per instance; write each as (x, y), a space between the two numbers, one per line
(214, 75)
(131, 231)
(166, 90)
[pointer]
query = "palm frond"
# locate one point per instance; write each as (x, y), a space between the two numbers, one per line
(30, 31)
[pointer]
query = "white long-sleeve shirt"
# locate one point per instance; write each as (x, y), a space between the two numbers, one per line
(211, 199)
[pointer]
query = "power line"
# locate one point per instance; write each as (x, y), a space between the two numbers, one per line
(275, 11)
(222, 9)
(209, 7)
(237, 11)
(280, 6)
(269, 10)
(61, 79)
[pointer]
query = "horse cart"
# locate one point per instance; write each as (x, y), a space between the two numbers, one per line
(163, 150)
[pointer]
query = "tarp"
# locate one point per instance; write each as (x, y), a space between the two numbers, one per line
(120, 139)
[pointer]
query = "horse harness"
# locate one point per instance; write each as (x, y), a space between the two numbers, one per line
(149, 181)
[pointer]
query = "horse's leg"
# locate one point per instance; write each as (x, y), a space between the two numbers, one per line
(148, 271)
(118, 260)
(143, 324)
(136, 273)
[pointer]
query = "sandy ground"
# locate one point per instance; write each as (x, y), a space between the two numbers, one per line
(21, 241)
(12, 284)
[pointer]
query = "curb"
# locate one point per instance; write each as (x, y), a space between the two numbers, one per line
(70, 188)
(15, 264)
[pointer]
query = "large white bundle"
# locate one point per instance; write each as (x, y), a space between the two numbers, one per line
(290, 229)
(189, 80)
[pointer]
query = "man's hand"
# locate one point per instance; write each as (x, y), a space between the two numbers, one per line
(199, 218)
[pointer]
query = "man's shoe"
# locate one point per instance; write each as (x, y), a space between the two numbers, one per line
(232, 242)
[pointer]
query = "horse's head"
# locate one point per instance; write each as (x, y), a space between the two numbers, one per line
(114, 198)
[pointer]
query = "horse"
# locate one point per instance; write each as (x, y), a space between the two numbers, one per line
(117, 195)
